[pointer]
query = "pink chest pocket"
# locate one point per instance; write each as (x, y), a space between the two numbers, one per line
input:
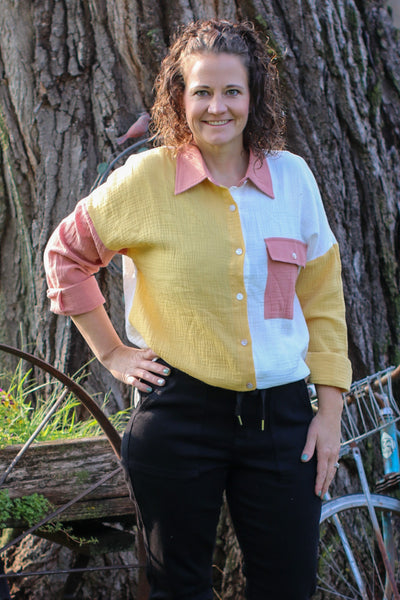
(285, 256)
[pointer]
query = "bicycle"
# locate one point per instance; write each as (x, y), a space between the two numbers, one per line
(360, 533)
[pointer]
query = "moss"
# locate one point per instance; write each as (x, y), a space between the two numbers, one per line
(28, 509)
(31, 509)
(275, 51)
(375, 96)
(4, 139)
(82, 476)
(6, 507)
(261, 21)
(395, 355)
(352, 18)
(155, 35)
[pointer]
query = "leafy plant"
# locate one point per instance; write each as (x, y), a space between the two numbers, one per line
(24, 405)
(6, 507)
(32, 509)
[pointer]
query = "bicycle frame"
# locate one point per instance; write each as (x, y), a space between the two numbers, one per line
(384, 420)
(391, 464)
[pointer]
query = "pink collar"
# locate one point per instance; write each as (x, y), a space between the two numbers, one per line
(191, 170)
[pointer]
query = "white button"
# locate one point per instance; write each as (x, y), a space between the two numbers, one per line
(244, 342)
(232, 208)
(239, 296)
(294, 255)
(239, 251)
(249, 386)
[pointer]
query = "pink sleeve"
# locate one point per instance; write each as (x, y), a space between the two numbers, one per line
(73, 255)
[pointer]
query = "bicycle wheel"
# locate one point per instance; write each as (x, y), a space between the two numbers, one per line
(350, 565)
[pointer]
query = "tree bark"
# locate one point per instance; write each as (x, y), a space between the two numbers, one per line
(74, 75)
(64, 469)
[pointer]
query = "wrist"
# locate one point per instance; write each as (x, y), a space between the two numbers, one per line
(330, 400)
(107, 355)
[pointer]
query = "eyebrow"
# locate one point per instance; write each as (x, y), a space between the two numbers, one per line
(208, 87)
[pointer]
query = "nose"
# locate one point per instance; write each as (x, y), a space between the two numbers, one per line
(216, 104)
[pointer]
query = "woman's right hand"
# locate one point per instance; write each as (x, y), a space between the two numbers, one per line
(130, 365)
(136, 367)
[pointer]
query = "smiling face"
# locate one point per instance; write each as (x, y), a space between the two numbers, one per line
(216, 100)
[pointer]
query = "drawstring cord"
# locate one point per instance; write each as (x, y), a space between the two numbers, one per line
(263, 400)
(238, 407)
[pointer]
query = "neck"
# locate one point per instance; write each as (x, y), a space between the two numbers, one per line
(226, 168)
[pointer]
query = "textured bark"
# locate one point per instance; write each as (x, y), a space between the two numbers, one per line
(74, 75)
(62, 470)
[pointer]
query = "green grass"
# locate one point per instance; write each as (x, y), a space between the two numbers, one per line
(24, 404)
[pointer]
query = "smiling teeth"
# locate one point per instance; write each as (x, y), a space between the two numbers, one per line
(218, 122)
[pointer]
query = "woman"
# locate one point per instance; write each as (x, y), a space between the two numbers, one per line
(235, 298)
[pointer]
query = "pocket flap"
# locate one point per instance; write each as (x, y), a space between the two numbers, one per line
(287, 250)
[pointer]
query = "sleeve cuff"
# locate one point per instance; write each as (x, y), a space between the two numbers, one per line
(329, 369)
(76, 299)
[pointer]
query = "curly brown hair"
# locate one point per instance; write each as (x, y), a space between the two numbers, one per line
(266, 122)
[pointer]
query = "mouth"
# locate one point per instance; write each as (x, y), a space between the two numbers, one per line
(217, 123)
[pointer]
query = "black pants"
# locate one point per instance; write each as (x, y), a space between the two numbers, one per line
(184, 446)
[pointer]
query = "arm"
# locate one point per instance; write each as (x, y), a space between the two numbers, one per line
(130, 365)
(324, 436)
(320, 293)
(73, 254)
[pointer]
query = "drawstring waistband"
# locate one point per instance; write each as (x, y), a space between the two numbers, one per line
(239, 400)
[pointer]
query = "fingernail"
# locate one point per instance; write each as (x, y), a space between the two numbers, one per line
(130, 380)
(166, 371)
(304, 457)
(160, 381)
(319, 493)
(149, 389)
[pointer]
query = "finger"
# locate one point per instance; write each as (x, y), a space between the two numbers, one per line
(321, 478)
(330, 475)
(148, 354)
(155, 373)
(142, 386)
(309, 448)
(141, 376)
(148, 363)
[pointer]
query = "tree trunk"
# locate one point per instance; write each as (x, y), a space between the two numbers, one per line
(75, 75)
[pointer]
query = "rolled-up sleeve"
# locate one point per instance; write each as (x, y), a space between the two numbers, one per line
(319, 289)
(74, 253)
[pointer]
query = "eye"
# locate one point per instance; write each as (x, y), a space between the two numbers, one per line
(201, 93)
(232, 92)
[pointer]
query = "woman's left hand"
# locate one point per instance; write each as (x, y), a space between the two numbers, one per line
(324, 436)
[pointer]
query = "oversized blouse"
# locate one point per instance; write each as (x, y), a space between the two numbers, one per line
(239, 287)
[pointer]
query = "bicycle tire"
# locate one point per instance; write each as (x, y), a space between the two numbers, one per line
(336, 577)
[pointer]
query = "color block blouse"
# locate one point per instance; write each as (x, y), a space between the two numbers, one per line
(239, 287)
